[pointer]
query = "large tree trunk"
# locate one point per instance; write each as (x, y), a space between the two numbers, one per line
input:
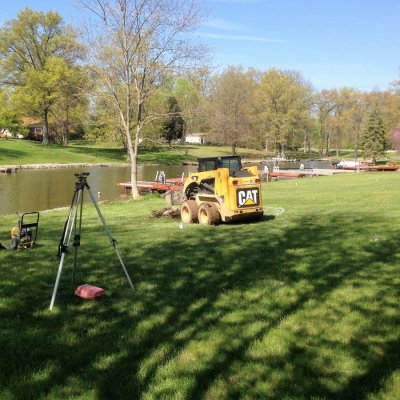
(133, 149)
(65, 136)
(133, 154)
(135, 191)
(45, 139)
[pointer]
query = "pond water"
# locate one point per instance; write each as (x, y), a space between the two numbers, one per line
(37, 190)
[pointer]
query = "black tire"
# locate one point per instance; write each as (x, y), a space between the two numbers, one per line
(208, 214)
(191, 191)
(189, 212)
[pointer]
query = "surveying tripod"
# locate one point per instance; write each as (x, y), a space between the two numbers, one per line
(73, 227)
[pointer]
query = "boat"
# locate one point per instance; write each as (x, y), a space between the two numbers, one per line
(380, 167)
(363, 166)
(348, 164)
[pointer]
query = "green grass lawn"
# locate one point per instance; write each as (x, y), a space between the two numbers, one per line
(20, 152)
(302, 305)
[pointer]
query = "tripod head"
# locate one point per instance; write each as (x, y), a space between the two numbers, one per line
(82, 176)
(82, 180)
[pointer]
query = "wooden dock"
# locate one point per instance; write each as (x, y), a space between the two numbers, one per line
(154, 186)
(286, 174)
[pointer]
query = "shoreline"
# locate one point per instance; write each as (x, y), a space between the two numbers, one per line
(17, 167)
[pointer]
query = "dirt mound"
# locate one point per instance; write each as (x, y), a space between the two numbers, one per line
(167, 212)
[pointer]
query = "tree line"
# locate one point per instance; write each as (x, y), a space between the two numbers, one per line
(136, 75)
(277, 110)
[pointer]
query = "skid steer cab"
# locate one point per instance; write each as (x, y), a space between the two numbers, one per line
(221, 191)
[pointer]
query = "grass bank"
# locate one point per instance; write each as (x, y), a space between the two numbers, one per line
(21, 152)
(301, 305)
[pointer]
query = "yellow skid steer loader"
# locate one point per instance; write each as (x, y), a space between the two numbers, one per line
(221, 190)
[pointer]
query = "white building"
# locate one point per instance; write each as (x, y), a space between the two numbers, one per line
(196, 138)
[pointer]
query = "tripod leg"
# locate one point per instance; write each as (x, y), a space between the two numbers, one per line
(63, 240)
(112, 240)
(53, 297)
(69, 226)
(77, 235)
(122, 264)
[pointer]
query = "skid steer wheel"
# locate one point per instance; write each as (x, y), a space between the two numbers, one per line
(208, 214)
(189, 211)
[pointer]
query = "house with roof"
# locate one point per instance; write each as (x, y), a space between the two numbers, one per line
(35, 127)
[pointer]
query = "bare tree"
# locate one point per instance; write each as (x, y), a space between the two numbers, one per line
(137, 45)
(325, 106)
(349, 118)
(230, 106)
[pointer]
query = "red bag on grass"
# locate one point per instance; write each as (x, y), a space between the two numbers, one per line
(89, 292)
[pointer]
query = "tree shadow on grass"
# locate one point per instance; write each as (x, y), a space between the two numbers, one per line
(330, 264)
(9, 153)
(228, 312)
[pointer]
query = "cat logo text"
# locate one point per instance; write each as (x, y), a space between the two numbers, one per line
(248, 197)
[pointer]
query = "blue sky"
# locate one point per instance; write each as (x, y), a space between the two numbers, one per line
(354, 43)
